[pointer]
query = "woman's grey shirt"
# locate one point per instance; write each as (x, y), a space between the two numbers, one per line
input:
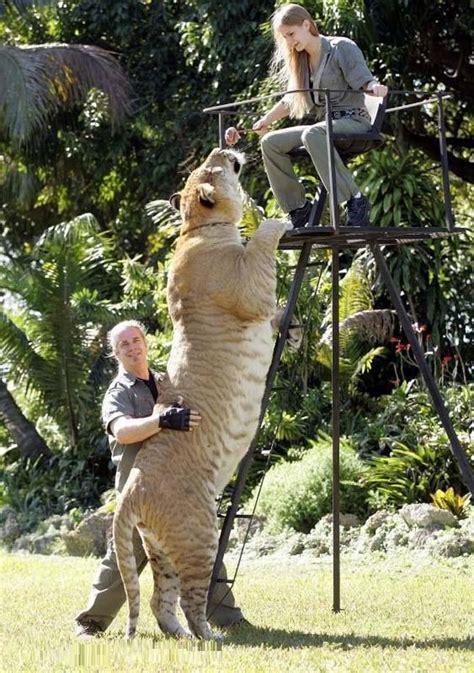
(341, 66)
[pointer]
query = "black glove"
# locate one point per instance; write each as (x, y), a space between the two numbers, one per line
(175, 418)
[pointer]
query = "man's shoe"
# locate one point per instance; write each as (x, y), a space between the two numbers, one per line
(225, 616)
(300, 216)
(357, 212)
(87, 630)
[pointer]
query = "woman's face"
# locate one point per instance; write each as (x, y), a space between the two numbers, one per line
(296, 37)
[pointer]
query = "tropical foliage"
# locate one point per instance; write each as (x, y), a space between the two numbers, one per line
(100, 112)
(451, 501)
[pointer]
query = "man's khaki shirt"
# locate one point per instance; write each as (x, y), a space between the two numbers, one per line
(127, 395)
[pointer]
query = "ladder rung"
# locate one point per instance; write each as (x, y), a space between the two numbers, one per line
(221, 580)
(306, 266)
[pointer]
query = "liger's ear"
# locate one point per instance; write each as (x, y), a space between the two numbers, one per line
(206, 194)
(175, 200)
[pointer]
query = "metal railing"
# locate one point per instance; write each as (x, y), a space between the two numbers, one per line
(229, 109)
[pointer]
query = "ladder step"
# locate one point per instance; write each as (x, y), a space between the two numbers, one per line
(236, 516)
(221, 580)
(294, 266)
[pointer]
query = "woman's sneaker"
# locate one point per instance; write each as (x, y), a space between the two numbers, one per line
(357, 212)
(300, 216)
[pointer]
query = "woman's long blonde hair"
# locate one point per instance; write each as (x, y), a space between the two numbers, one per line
(288, 66)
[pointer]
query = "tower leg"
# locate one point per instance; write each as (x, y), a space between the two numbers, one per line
(425, 371)
(336, 575)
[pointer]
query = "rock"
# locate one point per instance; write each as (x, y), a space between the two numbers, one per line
(296, 544)
(375, 521)
(263, 545)
(418, 538)
(424, 516)
(381, 532)
(451, 543)
(467, 525)
(37, 543)
(10, 528)
(242, 526)
(345, 520)
(319, 538)
(90, 538)
(397, 537)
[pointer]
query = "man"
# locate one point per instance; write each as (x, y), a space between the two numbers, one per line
(130, 416)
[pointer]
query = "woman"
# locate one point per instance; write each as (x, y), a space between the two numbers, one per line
(305, 59)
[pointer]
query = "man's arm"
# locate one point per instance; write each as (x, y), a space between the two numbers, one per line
(129, 430)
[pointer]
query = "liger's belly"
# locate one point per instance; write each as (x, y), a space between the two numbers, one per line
(225, 382)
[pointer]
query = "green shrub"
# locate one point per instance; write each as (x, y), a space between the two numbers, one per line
(297, 494)
(417, 459)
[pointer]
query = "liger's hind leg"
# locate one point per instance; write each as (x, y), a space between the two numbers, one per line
(165, 595)
(194, 564)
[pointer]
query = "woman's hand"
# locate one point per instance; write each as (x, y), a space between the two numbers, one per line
(261, 126)
(380, 90)
(232, 136)
(376, 89)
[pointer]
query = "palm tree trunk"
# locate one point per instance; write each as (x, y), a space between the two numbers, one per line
(23, 432)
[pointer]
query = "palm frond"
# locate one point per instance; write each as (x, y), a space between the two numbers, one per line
(17, 349)
(364, 363)
(355, 294)
(55, 317)
(252, 216)
(24, 5)
(162, 214)
(38, 80)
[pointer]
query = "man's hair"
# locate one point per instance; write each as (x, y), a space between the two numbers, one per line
(113, 335)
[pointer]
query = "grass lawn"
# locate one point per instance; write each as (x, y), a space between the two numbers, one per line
(402, 614)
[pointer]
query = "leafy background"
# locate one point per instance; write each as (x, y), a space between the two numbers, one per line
(101, 120)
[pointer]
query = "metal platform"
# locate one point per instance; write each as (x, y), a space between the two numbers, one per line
(327, 237)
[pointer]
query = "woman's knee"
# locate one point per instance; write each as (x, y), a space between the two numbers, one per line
(313, 136)
(267, 143)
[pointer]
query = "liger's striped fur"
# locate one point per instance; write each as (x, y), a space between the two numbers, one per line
(221, 298)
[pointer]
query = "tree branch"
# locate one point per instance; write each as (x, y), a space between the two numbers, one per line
(461, 167)
(23, 432)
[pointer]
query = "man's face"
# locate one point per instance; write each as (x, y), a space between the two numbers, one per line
(131, 349)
